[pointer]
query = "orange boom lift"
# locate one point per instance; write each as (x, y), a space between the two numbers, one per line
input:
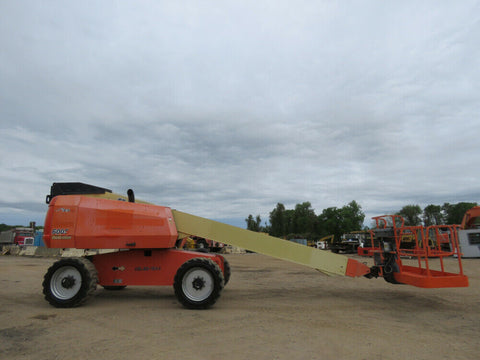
(143, 240)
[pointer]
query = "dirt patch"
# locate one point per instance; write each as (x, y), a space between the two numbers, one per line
(44, 316)
(17, 340)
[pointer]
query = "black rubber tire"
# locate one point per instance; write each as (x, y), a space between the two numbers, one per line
(83, 282)
(208, 274)
(226, 271)
(114, 287)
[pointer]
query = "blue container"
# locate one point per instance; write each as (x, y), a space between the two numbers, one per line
(38, 240)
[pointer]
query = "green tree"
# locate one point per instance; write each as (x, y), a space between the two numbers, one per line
(454, 213)
(278, 221)
(304, 218)
(289, 225)
(253, 224)
(352, 217)
(411, 214)
(330, 222)
(4, 227)
(432, 215)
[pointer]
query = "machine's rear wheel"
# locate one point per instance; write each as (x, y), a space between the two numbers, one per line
(198, 283)
(226, 271)
(70, 282)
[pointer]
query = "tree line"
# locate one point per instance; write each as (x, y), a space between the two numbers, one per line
(5, 227)
(446, 214)
(302, 222)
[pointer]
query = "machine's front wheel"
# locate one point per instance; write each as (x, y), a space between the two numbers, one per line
(70, 282)
(198, 283)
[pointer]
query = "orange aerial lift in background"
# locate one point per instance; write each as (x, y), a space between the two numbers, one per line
(470, 219)
(469, 233)
(144, 238)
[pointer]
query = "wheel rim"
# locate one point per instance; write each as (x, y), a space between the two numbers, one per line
(197, 284)
(65, 282)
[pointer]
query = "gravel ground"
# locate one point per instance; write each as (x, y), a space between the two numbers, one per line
(271, 309)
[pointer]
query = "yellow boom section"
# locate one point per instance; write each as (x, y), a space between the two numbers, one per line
(321, 260)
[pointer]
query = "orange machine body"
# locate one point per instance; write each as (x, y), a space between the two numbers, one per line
(83, 222)
(145, 267)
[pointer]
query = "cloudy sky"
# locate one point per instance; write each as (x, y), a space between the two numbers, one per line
(225, 108)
